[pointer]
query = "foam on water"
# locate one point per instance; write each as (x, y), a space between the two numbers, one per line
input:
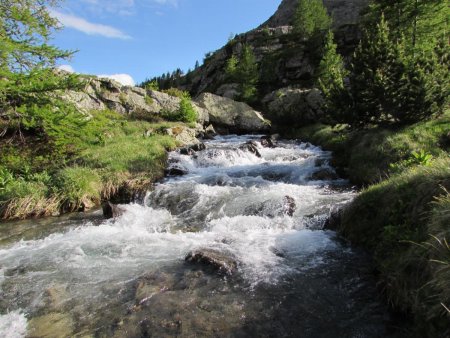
(13, 325)
(228, 201)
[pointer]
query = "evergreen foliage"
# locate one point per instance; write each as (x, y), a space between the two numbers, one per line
(330, 76)
(28, 83)
(311, 18)
(244, 71)
(420, 23)
(389, 86)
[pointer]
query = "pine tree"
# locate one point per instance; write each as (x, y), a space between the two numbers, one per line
(247, 73)
(311, 18)
(388, 86)
(330, 79)
(231, 68)
(244, 71)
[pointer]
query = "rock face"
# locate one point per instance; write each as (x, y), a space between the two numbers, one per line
(284, 60)
(293, 106)
(231, 115)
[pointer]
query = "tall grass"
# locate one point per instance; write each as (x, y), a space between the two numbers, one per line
(119, 158)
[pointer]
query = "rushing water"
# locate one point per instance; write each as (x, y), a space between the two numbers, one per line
(127, 277)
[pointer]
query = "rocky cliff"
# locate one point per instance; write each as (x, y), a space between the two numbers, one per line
(284, 62)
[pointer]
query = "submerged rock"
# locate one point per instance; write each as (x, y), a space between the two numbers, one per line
(111, 210)
(289, 205)
(175, 172)
(267, 142)
(324, 175)
(222, 262)
(251, 147)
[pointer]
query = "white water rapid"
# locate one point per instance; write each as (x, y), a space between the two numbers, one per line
(128, 277)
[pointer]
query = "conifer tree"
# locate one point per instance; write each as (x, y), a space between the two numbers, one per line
(311, 18)
(330, 79)
(247, 73)
(28, 81)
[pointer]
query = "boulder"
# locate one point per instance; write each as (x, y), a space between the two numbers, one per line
(251, 147)
(224, 263)
(183, 134)
(111, 210)
(235, 116)
(294, 106)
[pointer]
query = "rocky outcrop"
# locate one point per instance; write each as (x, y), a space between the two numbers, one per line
(293, 106)
(225, 113)
(230, 115)
(100, 93)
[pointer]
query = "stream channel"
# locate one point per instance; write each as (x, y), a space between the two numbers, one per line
(83, 276)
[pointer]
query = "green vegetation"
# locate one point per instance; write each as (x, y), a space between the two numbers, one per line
(28, 82)
(186, 112)
(117, 160)
(311, 18)
(53, 157)
(244, 71)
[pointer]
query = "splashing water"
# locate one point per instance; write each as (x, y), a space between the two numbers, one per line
(127, 277)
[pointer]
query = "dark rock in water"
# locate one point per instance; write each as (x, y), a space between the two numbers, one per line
(289, 205)
(278, 252)
(251, 147)
(198, 147)
(333, 221)
(209, 133)
(175, 172)
(222, 262)
(111, 210)
(324, 175)
(190, 150)
(320, 162)
(186, 151)
(267, 142)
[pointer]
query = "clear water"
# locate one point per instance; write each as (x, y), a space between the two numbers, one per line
(88, 277)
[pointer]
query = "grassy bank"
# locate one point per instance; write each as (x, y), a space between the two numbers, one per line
(402, 216)
(116, 158)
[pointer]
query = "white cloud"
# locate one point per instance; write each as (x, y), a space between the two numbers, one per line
(124, 79)
(67, 68)
(87, 27)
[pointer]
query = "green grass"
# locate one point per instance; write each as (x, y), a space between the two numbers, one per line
(404, 222)
(368, 156)
(119, 158)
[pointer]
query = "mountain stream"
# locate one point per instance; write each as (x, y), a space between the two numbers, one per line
(275, 273)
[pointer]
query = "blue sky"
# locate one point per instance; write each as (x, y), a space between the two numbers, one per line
(144, 38)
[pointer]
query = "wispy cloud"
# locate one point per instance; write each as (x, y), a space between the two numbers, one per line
(82, 25)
